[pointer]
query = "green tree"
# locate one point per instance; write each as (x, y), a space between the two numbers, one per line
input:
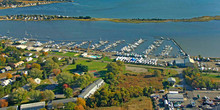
(2, 91)
(18, 95)
(68, 92)
(157, 73)
(48, 95)
(82, 68)
(40, 60)
(55, 59)
(35, 95)
(73, 62)
(113, 67)
(36, 73)
(64, 78)
(69, 106)
(2, 60)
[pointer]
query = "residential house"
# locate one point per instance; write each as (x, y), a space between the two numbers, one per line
(29, 59)
(33, 106)
(6, 82)
(37, 80)
(50, 105)
(171, 80)
(2, 71)
(175, 98)
(91, 89)
(28, 54)
(7, 68)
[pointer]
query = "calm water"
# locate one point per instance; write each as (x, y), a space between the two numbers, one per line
(126, 8)
(195, 38)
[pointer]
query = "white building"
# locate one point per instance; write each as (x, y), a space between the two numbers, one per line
(91, 89)
(29, 59)
(28, 54)
(37, 80)
(6, 82)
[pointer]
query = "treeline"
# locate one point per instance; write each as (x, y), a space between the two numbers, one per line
(113, 95)
(194, 78)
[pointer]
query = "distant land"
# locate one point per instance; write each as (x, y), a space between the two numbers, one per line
(88, 18)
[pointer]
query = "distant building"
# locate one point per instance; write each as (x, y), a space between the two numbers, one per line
(7, 68)
(33, 106)
(21, 47)
(2, 71)
(175, 98)
(171, 80)
(91, 89)
(28, 54)
(6, 82)
(29, 59)
(63, 101)
(187, 62)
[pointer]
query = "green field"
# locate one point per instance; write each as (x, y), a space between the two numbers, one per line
(93, 65)
(67, 54)
(213, 75)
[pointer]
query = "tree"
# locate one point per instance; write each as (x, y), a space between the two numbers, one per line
(113, 67)
(157, 73)
(35, 95)
(18, 95)
(64, 78)
(82, 68)
(40, 60)
(2, 60)
(36, 73)
(28, 66)
(68, 92)
(50, 64)
(81, 101)
(79, 107)
(48, 95)
(35, 65)
(55, 59)
(56, 71)
(70, 106)
(9, 76)
(2, 91)
(73, 62)
(3, 103)
(44, 53)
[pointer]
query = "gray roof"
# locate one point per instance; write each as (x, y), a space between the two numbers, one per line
(171, 79)
(50, 104)
(90, 87)
(33, 106)
(175, 97)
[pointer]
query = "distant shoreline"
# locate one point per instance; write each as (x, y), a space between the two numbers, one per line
(153, 20)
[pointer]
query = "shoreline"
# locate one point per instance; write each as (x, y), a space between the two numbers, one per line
(117, 20)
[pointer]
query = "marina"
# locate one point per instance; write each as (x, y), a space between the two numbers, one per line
(131, 47)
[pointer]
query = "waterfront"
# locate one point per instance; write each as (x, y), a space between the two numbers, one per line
(125, 9)
(191, 36)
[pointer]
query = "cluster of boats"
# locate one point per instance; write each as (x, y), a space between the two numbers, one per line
(130, 55)
(81, 44)
(115, 44)
(99, 44)
(166, 50)
(131, 47)
(146, 61)
(153, 46)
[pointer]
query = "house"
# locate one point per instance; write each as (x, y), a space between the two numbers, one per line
(7, 68)
(91, 89)
(6, 82)
(175, 98)
(24, 72)
(37, 49)
(21, 46)
(2, 71)
(36, 56)
(171, 80)
(45, 50)
(18, 64)
(37, 80)
(187, 62)
(28, 54)
(33, 106)
(29, 59)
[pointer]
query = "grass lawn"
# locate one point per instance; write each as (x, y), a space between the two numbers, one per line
(67, 54)
(93, 65)
(214, 77)
(107, 59)
(45, 81)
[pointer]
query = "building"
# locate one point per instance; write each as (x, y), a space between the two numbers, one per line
(2, 71)
(187, 62)
(37, 80)
(6, 82)
(28, 54)
(29, 59)
(50, 105)
(7, 68)
(18, 64)
(175, 98)
(171, 80)
(21, 47)
(33, 106)
(91, 89)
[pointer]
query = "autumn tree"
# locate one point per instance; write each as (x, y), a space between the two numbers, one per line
(44, 53)
(9, 76)
(56, 71)
(2, 60)
(28, 66)
(81, 101)
(3, 103)
(79, 107)
(35, 65)
(70, 106)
